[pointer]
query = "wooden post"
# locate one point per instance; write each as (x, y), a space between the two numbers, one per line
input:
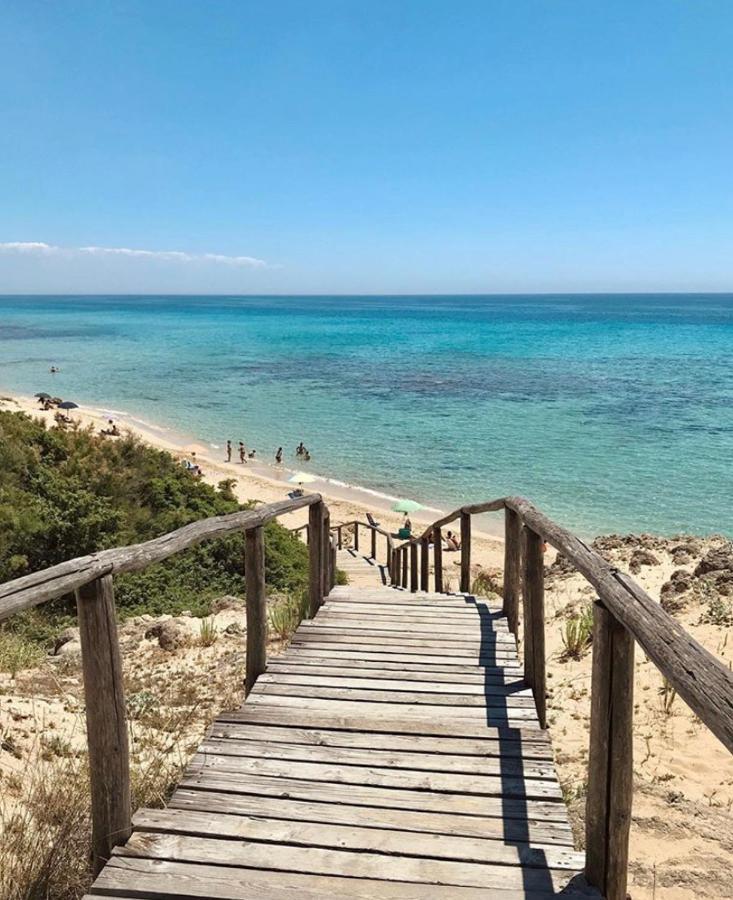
(512, 567)
(374, 544)
(534, 621)
(315, 554)
(340, 542)
(356, 535)
(465, 552)
(326, 551)
(438, 559)
(413, 566)
(610, 763)
(403, 580)
(254, 575)
(424, 564)
(109, 755)
(332, 566)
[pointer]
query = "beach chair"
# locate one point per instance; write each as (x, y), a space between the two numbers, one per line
(370, 520)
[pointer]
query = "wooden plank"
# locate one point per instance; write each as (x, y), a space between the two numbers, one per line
(367, 681)
(514, 706)
(469, 805)
(486, 827)
(254, 572)
(393, 842)
(104, 695)
(165, 879)
(501, 679)
(282, 710)
(385, 710)
(469, 632)
(331, 652)
(312, 631)
(510, 749)
(406, 649)
(405, 779)
(413, 567)
(314, 860)
(438, 559)
(393, 759)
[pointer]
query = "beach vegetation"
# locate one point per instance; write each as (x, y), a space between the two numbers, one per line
(208, 632)
(17, 652)
(69, 493)
(287, 612)
(577, 633)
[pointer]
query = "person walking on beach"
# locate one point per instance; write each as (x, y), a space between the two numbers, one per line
(242, 452)
(279, 455)
(229, 451)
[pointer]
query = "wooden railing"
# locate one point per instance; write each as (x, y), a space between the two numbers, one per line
(90, 577)
(337, 532)
(623, 614)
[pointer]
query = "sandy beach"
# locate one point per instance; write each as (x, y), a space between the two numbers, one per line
(265, 483)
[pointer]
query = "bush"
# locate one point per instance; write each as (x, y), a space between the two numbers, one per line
(578, 633)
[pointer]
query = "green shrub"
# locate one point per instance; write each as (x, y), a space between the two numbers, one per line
(578, 633)
(17, 652)
(208, 634)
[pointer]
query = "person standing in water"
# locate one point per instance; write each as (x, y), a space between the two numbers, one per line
(229, 451)
(279, 455)
(242, 452)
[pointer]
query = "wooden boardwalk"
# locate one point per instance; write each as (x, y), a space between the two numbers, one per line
(393, 751)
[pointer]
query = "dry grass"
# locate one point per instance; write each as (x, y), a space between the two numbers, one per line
(287, 613)
(17, 652)
(577, 633)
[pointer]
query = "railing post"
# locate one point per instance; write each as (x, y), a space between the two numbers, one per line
(356, 535)
(465, 552)
(254, 575)
(315, 554)
(438, 559)
(403, 580)
(424, 564)
(326, 553)
(374, 544)
(413, 566)
(109, 755)
(534, 621)
(512, 567)
(340, 542)
(332, 566)
(610, 762)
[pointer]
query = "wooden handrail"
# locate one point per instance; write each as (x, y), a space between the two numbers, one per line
(90, 577)
(64, 578)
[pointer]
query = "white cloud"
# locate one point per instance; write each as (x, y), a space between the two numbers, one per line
(44, 249)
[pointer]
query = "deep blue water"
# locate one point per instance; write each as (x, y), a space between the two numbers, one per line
(611, 412)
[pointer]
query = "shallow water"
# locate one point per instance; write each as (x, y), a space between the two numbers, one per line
(611, 412)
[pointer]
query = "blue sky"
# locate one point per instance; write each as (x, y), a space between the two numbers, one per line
(366, 146)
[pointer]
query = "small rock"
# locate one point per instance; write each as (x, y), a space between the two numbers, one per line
(70, 648)
(234, 628)
(641, 558)
(67, 636)
(716, 560)
(169, 634)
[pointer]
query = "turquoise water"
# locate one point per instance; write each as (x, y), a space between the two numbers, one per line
(611, 412)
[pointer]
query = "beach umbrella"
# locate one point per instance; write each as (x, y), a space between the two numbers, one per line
(42, 395)
(407, 506)
(68, 404)
(302, 478)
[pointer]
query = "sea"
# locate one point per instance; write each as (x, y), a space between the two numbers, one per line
(611, 412)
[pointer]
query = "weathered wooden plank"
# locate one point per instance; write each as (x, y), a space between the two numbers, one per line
(315, 557)
(512, 567)
(367, 681)
(166, 879)
(314, 860)
(469, 631)
(465, 551)
(502, 679)
(487, 827)
(396, 759)
(469, 805)
(405, 779)
(518, 707)
(534, 620)
(416, 660)
(393, 842)
(281, 710)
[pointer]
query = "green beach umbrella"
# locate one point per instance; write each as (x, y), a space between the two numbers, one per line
(407, 506)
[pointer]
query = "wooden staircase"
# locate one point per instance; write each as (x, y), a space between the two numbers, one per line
(392, 751)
